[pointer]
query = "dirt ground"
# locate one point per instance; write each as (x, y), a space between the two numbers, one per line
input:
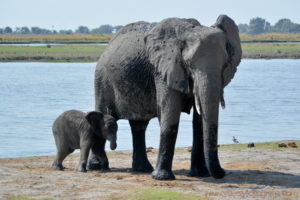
(251, 174)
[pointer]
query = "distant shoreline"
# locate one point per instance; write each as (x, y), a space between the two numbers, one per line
(50, 43)
(106, 42)
(273, 56)
(87, 51)
(95, 59)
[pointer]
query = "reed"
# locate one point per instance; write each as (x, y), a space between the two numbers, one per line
(269, 37)
(73, 38)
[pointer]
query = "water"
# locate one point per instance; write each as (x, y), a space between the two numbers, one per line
(262, 104)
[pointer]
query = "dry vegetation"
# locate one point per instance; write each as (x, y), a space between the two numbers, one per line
(94, 38)
(73, 38)
(271, 37)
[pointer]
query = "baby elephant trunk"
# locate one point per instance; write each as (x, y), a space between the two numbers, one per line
(113, 142)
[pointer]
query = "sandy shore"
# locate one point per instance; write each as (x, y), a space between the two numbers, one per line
(251, 174)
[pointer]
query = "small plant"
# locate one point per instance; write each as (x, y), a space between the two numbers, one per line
(158, 194)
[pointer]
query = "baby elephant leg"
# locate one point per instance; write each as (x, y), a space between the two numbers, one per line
(61, 155)
(98, 150)
(84, 153)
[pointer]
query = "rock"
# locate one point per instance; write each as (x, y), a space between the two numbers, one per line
(280, 145)
(250, 145)
(292, 144)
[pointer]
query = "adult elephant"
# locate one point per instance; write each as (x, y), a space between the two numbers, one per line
(162, 70)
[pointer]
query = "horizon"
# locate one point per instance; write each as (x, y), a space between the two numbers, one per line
(121, 25)
(64, 15)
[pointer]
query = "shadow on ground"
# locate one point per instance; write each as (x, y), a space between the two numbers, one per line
(258, 177)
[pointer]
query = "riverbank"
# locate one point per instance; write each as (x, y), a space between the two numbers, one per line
(98, 38)
(51, 53)
(270, 50)
(264, 171)
(56, 39)
(91, 53)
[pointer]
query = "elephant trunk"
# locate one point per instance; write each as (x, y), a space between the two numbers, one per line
(207, 97)
(113, 145)
(113, 142)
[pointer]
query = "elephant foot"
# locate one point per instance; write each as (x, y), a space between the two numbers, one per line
(142, 167)
(163, 174)
(105, 168)
(58, 167)
(199, 172)
(94, 166)
(82, 168)
(98, 166)
(218, 174)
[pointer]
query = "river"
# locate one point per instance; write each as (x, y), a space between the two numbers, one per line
(262, 104)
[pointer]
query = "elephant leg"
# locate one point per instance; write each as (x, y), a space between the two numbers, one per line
(98, 159)
(61, 155)
(84, 153)
(140, 160)
(93, 162)
(169, 121)
(198, 166)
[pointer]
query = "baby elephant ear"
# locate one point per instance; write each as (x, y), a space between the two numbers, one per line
(164, 52)
(94, 116)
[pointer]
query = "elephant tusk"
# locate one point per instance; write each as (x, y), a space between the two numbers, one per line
(198, 108)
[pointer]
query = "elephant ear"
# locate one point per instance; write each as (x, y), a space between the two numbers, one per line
(94, 118)
(233, 47)
(164, 50)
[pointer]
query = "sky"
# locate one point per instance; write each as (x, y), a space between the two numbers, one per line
(69, 14)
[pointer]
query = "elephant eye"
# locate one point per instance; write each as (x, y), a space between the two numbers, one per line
(111, 126)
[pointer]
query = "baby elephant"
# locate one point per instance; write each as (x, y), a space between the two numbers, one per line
(74, 129)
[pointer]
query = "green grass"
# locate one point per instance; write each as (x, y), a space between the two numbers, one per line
(64, 53)
(262, 146)
(157, 194)
(270, 37)
(91, 53)
(270, 50)
(258, 146)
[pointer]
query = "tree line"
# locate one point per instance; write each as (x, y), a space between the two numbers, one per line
(256, 26)
(103, 29)
(259, 25)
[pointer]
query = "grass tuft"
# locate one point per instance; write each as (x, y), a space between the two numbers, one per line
(157, 194)
(261, 145)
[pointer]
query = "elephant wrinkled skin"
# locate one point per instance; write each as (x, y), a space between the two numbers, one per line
(74, 129)
(162, 70)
